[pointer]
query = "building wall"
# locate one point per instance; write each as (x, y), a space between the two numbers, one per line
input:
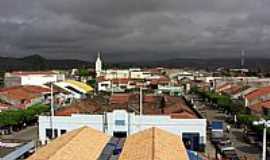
(117, 74)
(33, 79)
(257, 100)
(76, 92)
(10, 81)
(139, 75)
(25, 103)
(121, 121)
(104, 86)
(37, 79)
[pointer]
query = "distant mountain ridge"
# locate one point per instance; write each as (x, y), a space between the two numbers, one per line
(37, 62)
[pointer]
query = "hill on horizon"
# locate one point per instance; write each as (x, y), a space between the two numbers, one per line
(37, 62)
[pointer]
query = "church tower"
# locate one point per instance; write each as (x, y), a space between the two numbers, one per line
(98, 65)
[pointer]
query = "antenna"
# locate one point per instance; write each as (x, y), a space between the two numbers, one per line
(243, 54)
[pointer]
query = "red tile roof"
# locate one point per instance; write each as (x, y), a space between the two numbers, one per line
(120, 98)
(4, 106)
(159, 81)
(150, 98)
(153, 105)
(120, 81)
(86, 106)
(232, 90)
(25, 73)
(258, 107)
(221, 87)
(176, 105)
(183, 115)
(258, 93)
(23, 92)
(100, 79)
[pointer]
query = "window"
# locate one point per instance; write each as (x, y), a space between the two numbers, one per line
(63, 131)
(74, 90)
(123, 87)
(120, 122)
(104, 85)
(49, 133)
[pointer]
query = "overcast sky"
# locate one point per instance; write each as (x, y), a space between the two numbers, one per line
(134, 29)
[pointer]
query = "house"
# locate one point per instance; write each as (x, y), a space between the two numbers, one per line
(4, 106)
(154, 144)
(260, 109)
(83, 143)
(87, 143)
(157, 80)
(232, 90)
(257, 96)
(117, 74)
(170, 90)
(243, 93)
(21, 97)
(104, 86)
(32, 78)
(139, 74)
(120, 123)
(78, 90)
(220, 88)
(116, 85)
(167, 112)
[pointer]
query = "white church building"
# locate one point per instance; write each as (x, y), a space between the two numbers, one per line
(98, 65)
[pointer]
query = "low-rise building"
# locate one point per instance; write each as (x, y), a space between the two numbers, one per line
(257, 96)
(122, 123)
(260, 109)
(78, 89)
(32, 78)
(154, 144)
(243, 93)
(86, 143)
(170, 90)
(21, 97)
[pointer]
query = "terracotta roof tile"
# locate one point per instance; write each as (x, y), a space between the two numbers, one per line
(258, 107)
(119, 98)
(258, 92)
(154, 144)
(23, 92)
(80, 144)
(120, 81)
(183, 115)
(25, 73)
(232, 90)
(86, 106)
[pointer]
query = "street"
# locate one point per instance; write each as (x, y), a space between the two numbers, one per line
(236, 135)
(29, 133)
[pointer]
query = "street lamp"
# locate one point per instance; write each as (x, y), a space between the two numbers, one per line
(265, 124)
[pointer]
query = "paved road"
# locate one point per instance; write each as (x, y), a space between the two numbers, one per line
(236, 135)
(29, 133)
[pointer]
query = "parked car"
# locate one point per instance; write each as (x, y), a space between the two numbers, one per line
(250, 137)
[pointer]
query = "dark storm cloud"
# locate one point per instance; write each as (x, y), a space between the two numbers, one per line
(126, 28)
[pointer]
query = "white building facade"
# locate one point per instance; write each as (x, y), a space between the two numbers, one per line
(122, 123)
(33, 78)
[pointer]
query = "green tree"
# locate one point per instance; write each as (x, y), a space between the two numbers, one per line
(83, 72)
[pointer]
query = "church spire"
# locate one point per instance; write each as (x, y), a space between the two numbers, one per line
(98, 65)
(98, 55)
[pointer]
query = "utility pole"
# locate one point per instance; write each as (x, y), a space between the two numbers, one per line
(52, 111)
(141, 101)
(265, 124)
